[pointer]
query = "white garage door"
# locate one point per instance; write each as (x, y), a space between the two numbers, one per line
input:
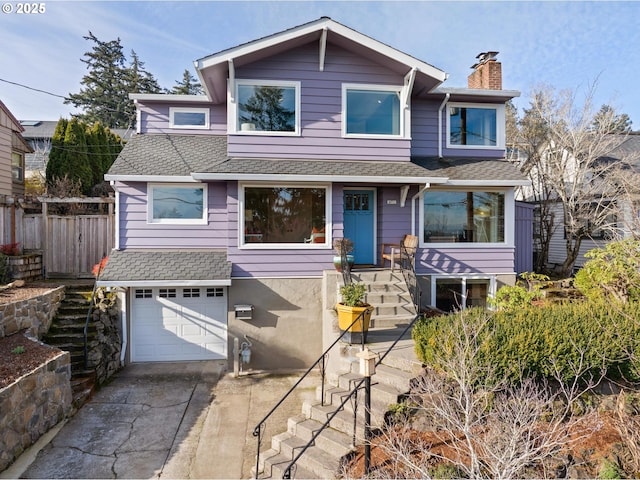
(175, 324)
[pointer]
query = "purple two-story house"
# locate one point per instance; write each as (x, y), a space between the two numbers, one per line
(319, 132)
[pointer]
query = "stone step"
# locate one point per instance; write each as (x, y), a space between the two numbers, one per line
(273, 465)
(315, 459)
(343, 420)
(331, 440)
(382, 396)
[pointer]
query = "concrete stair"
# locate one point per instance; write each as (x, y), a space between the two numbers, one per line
(67, 333)
(393, 311)
(389, 296)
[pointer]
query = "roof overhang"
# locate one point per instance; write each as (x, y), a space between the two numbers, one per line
(168, 98)
(318, 178)
(475, 94)
(149, 178)
(164, 283)
(213, 70)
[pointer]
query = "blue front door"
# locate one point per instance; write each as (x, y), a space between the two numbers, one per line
(358, 224)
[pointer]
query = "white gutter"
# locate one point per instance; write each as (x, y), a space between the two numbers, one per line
(444, 102)
(163, 283)
(413, 207)
(272, 177)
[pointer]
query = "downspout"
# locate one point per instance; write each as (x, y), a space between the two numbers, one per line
(413, 207)
(444, 102)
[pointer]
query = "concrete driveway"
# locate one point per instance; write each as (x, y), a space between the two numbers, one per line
(170, 420)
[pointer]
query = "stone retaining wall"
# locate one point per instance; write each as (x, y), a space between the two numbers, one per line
(26, 267)
(103, 350)
(34, 314)
(33, 404)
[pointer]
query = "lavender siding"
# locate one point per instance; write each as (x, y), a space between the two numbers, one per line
(321, 99)
(431, 261)
(154, 118)
(135, 232)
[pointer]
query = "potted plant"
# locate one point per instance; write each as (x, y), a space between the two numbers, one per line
(352, 306)
(342, 245)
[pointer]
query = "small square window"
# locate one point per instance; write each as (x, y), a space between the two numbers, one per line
(191, 293)
(215, 292)
(167, 293)
(475, 126)
(189, 118)
(177, 204)
(144, 293)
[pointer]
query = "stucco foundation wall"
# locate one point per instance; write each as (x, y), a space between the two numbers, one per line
(286, 330)
(34, 314)
(33, 404)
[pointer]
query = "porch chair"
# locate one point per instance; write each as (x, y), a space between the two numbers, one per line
(393, 251)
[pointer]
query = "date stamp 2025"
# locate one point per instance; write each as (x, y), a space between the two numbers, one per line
(30, 8)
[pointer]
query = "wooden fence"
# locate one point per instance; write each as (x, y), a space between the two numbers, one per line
(70, 244)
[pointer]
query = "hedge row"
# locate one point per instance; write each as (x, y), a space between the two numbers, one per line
(553, 342)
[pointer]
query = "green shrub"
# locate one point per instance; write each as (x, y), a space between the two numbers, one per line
(559, 341)
(353, 294)
(610, 470)
(527, 289)
(613, 273)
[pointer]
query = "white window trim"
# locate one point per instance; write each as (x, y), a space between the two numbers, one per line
(405, 112)
(500, 125)
(174, 110)
(177, 221)
(285, 246)
(232, 111)
(490, 294)
(509, 221)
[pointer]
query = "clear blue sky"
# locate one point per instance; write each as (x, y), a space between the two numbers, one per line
(568, 45)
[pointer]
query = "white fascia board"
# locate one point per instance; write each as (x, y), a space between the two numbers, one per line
(317, 26)
(489, 183)
(150, 178)
(164, 283)
(316, 178)
(480, 92)
(169, 97)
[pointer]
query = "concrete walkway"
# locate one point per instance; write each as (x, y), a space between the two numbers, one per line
(178, 420)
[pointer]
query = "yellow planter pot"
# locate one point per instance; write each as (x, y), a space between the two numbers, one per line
(347, 315)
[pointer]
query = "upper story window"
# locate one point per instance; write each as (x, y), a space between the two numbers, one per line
(458, 216)
(177, 204)
(475, 126)
(265, 107)
(180, 117)
(285, 216)
(17, 166)
(372, 110)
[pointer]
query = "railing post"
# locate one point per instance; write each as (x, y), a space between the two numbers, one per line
(257, 432)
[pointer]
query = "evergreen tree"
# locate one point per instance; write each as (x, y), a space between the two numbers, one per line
(104, 95)
(56, 167)
(607, 120)
(77, 155)
(189, 85)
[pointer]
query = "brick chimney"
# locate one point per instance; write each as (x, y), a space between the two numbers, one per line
(487, 73)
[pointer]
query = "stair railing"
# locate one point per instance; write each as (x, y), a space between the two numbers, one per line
(258, 430)
(408, 267)
(345, 399)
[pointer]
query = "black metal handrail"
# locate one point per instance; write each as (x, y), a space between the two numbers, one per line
(407, 265)
(321, 362)
(345, 398)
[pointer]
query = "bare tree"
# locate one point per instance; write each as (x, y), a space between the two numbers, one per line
(565, 147)
(481, 424)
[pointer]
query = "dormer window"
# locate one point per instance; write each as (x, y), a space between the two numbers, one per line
(475, 126)
(182, 117)
(265, 107)
(372, 111)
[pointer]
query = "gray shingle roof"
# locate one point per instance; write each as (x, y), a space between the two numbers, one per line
(183, 155)
(169, 154)
(144, 265)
